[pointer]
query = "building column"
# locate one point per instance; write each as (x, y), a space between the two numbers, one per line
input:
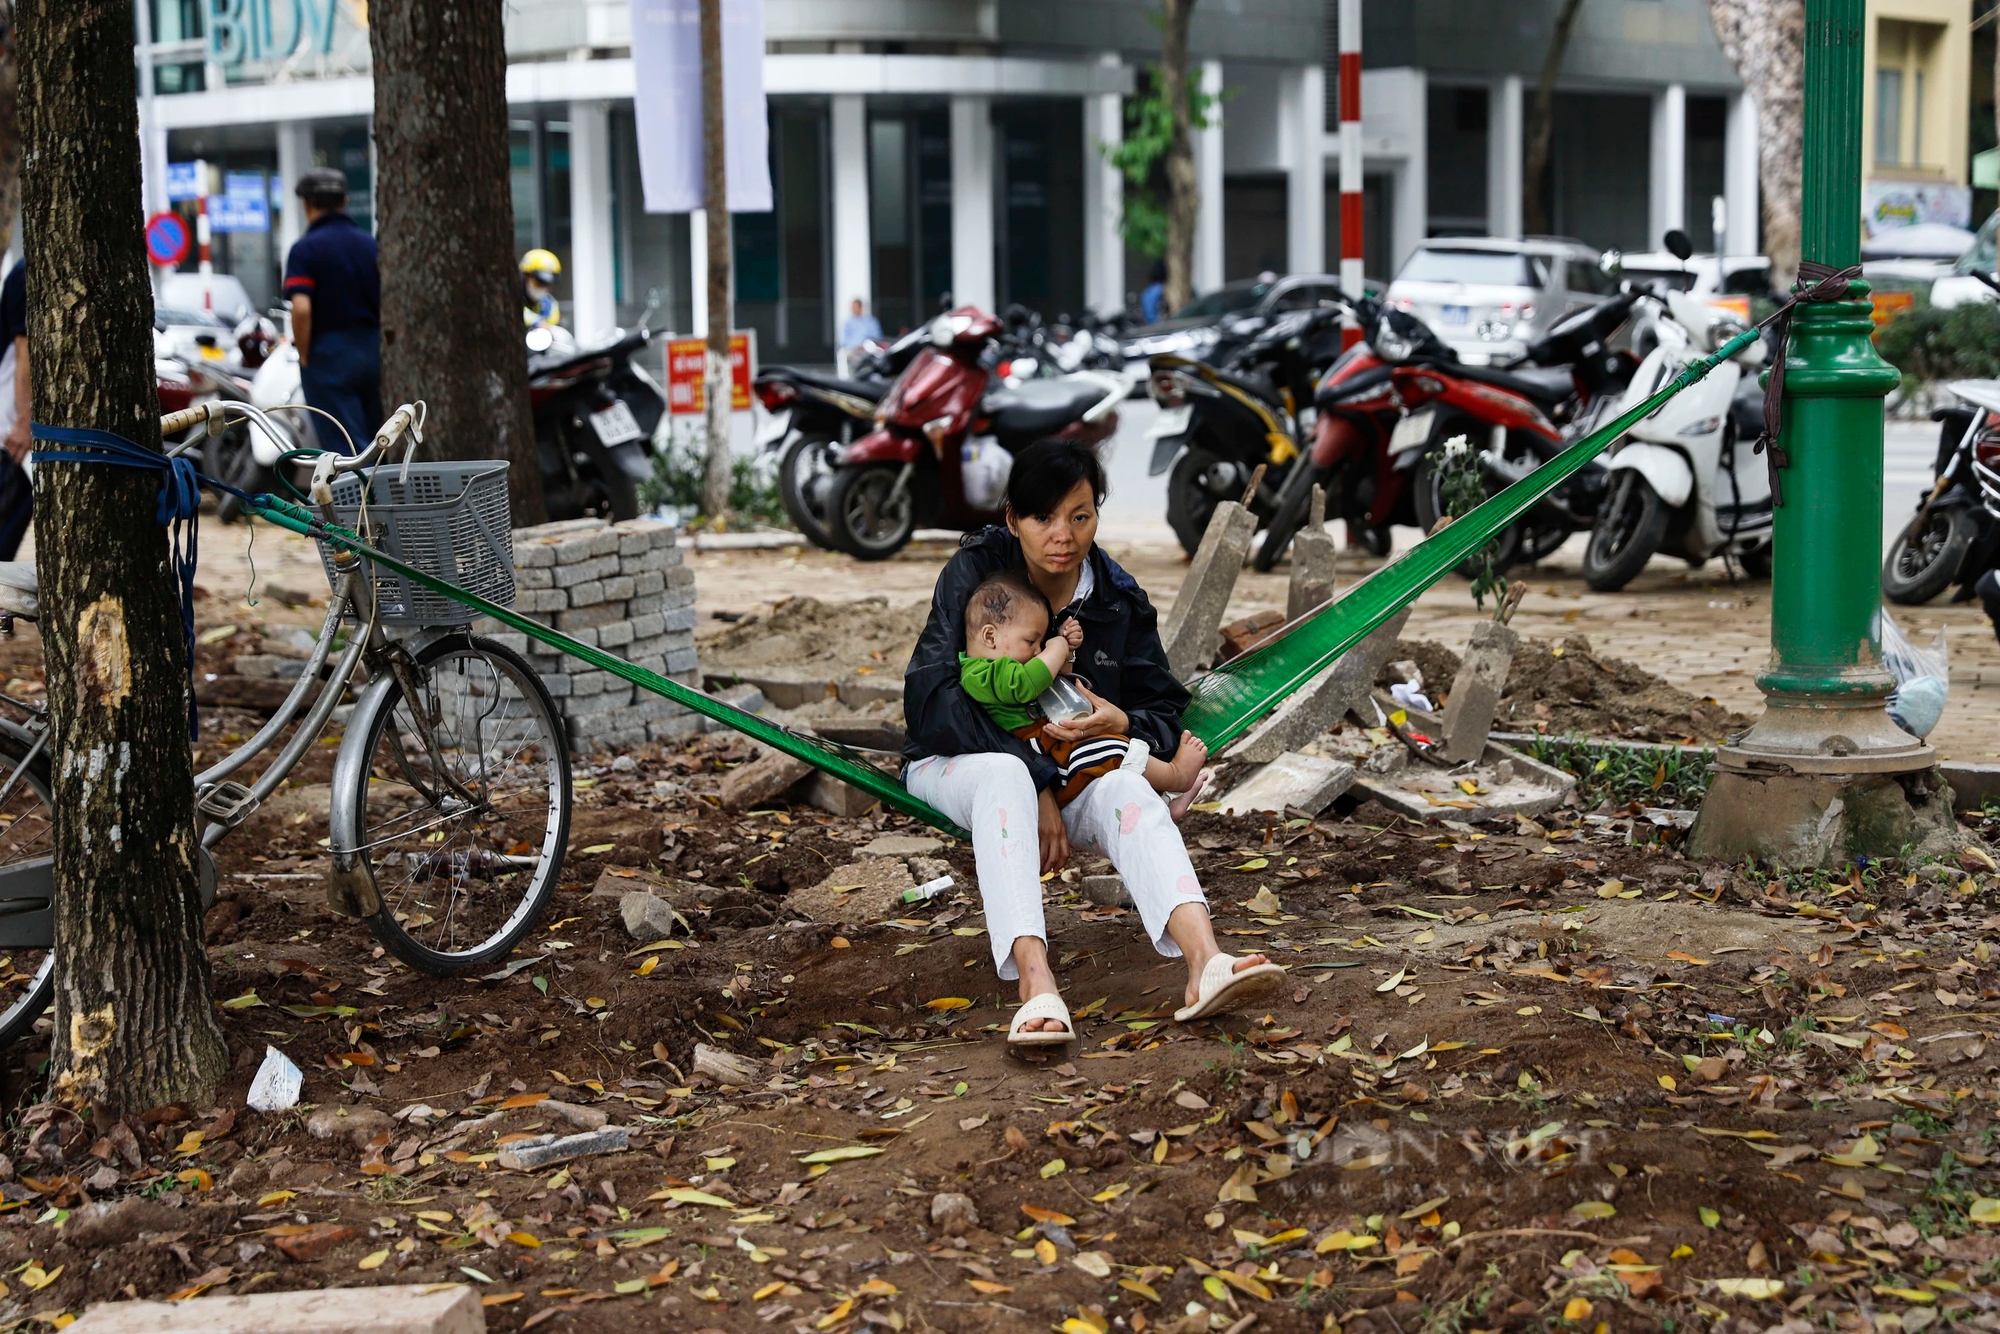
(1413, 198)
(592, 276)
(972, 203)
(1207, 274)
(1504, 154)
(853, 251)
(1304, 141)
(295, 158)
(1103, 201)
(1739, 178)
(1668, 193)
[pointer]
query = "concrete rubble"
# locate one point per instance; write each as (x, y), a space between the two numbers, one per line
(1476, 690)
(1322, 701)
(1308, 783)
(1189, 632)
(429, 1308)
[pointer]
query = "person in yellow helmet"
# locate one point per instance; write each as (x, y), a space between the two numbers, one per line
(539, 306)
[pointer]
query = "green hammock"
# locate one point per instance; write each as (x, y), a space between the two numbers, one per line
(1227, 701)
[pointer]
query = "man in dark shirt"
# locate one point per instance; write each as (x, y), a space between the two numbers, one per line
(336, 295)
(17, 492)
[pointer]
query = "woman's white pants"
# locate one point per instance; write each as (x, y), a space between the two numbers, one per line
(1118, 814)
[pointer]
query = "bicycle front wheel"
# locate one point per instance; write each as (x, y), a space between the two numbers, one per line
(27, 841)
(464, 807)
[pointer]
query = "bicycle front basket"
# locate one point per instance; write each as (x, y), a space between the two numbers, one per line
(449, 520)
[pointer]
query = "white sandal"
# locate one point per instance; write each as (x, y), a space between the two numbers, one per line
(1221, 989)
(1048, 1005)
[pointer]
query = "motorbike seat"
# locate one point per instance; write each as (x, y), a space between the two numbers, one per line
(19, 588)
(868, 389)
(1041, 407)
(1254, 385)
(1546, 385)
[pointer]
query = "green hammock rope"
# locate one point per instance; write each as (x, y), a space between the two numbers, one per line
(1227, 701)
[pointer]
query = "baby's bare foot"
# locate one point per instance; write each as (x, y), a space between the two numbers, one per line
(1187, 762)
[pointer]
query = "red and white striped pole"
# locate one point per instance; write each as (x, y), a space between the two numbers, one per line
(1349, 73)
(205, 265)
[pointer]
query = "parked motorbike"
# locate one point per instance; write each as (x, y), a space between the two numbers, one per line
(811, 417)
(1955, 534)
(1219, 423)
(596, 410)
(1685, 480)
(945, 438)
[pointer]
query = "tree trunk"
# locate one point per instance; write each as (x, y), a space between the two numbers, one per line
(715, 200)
(1765, 41)
(1183, 189)
(134, 1024)
(1541, 125)
(451, 306)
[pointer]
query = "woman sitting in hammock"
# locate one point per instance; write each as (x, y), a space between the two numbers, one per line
(1003, 788)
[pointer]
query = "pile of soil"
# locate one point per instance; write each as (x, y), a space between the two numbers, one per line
(1565, 688)
(806, 632)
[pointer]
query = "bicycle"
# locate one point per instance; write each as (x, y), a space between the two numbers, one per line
(451, 791)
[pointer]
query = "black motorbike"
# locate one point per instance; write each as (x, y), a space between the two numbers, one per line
(596, 410)
(813, 416)
(1955, 535)
(1219, 423)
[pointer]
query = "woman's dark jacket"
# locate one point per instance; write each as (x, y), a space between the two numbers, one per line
(1121, 660)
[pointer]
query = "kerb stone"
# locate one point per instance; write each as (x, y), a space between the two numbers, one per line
(1308, 783)
(1475, 691)
(1189, 634)
(391, 1309)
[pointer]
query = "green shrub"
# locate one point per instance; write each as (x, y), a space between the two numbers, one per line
(1933, 343)
(677, 477)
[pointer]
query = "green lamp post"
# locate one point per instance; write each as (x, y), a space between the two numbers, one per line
(1824, 775)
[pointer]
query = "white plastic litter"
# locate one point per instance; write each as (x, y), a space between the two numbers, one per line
(1923, 676)
(278, 1083)
(1410, 696)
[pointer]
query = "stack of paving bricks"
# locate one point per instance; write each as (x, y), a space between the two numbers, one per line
(623, 588)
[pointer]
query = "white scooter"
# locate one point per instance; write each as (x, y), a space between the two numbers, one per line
(1684, 481)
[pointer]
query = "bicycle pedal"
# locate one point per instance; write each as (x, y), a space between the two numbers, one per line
(228, 804)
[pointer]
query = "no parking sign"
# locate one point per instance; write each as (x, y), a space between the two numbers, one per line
(167, 239)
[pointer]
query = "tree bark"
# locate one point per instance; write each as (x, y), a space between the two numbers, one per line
(444, 216)
(1183, 189)
(1765, 41)
(134, 1024)
(1541, 124)
(715, 201)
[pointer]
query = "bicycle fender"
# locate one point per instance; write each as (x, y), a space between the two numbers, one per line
(350, 878)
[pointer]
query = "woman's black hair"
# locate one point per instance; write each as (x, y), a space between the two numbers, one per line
(1047, 471)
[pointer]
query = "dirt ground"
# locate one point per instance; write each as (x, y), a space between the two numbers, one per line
(1544, 1075)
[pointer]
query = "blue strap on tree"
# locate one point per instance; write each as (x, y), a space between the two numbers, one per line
(178, 511)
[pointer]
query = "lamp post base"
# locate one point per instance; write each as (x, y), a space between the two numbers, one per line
(1821, 780)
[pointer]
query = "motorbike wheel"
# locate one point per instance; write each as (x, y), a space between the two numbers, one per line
(867, 520)
(617, 493)
(805, 479)
(1428, 499)
(1921, 564)
(1289, 515)
(1189, 503)
(1756, 564)
(1628, 531)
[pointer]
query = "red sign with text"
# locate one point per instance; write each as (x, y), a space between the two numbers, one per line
(686, 360)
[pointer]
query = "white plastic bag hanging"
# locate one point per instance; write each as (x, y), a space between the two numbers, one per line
(1923, 677)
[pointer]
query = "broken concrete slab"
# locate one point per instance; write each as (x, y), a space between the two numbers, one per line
(429, 1308)
(1107, 891)
(1321, 702)
(834, 797)
(1189, 633)
(725, 1067)
(762, 779)
(903, 845)
(1476, 690)
(782, 688)
(868, 890)
(1308, 783)
(528, 1155)
(1506, 783)
(858, 692)
(648, 917)
(1315, 578)
(359, 1124)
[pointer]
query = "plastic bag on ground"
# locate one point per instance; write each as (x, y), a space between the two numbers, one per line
(1923, 677)
(278, 1083)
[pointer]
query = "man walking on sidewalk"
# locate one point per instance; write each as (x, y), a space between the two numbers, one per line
(336, 295)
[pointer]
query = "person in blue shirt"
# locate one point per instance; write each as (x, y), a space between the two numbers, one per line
(335, 288)
(858, 328)
(1155, 292)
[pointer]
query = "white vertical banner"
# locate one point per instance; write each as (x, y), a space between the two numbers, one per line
(666, 103)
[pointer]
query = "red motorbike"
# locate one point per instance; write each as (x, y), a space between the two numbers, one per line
(946, 434)
(1391, 401)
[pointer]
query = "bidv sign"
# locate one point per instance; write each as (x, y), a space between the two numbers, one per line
(249, 31)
